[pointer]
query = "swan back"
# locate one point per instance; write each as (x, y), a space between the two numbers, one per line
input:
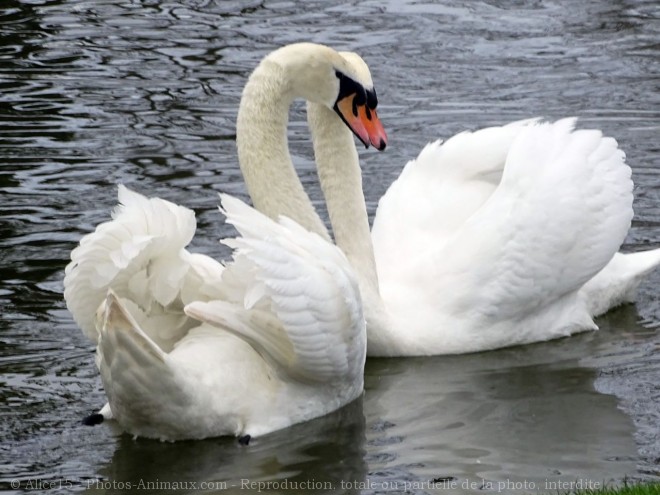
(511, 270)
(437, 192)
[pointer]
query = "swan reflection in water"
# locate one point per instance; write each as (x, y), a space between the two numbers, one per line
(326, 450)
(525, 414)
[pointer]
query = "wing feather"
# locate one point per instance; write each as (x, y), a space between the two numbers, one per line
(559, 215)
(140, 254)
(436, 193)
(309, 318)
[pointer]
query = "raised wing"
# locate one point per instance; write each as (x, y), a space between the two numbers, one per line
(436, 193)
(141, 256)
(559, 215)
(294, 298)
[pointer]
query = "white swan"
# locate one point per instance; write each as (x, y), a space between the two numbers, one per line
(517, 243)
(505, 236)
(188, 348)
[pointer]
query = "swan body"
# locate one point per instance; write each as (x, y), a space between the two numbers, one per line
(190, 348)
(194, 349)
(499, 253)
(505, 236)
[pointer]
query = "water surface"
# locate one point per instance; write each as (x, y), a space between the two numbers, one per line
(145, 93)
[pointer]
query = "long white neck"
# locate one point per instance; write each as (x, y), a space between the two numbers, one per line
(340, 176)
(263, 150)
(275, 188)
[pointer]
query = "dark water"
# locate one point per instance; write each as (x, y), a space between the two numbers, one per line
(93, 93)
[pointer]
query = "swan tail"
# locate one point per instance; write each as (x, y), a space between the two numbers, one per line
(120, 333)
(617, 283)
(140, 254)
(136, 373)
(302, 306)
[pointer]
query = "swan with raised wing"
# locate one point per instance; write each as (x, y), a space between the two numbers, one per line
(504, 236)
(189, 348)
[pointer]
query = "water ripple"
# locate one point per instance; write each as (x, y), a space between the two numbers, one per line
(145, 93)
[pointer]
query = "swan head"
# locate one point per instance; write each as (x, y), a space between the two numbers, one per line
(339, 80)
(357, 101)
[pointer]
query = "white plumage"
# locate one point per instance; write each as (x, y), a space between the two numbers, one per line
(503, 236)
(188, 348)
(307, 315)
(140, 254)
(545, 209)
(294, 352)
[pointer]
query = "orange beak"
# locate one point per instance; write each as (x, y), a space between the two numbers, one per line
(363, 121)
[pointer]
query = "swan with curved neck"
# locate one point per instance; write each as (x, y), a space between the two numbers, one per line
(320, 75)
(465, 255)
(188, 348)
(348, 108)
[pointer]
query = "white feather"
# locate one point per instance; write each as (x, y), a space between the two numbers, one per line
(141, 255)
(487, 240)
(312, 324)
(294, 351)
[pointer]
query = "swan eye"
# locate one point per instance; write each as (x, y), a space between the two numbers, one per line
(349, 87)
(357, 108)
(372, 99)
